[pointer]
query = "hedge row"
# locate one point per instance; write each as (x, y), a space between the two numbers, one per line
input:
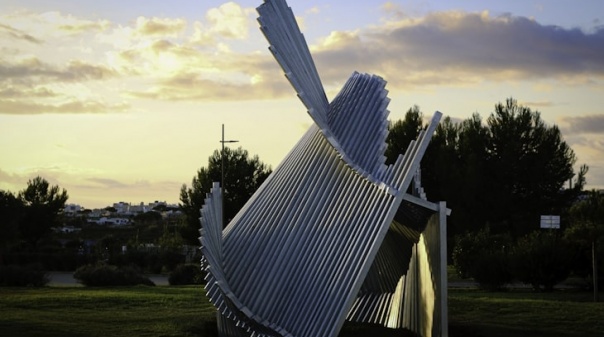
(541, 259)
(23, 276)
(108, 275)
(150, 262)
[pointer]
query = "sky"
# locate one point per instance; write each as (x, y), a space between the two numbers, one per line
(125, 100)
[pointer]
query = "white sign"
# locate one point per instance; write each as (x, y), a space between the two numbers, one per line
(550, 221)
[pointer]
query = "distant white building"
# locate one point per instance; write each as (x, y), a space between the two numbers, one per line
(71, 209)
(69, 229)
(110, 221)
(121, 207)
(125, 208)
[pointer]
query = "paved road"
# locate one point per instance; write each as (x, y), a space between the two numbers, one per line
(65, 279)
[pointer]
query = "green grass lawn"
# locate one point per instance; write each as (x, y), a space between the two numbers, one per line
(128, 311)
(184, 311)
(524, 313)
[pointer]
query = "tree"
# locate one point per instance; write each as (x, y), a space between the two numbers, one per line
(151, 217)
(528, 164)
(43, 205)
(242, 176)
(402, 132)
(110, 209)
(11, 210)
(587, 225)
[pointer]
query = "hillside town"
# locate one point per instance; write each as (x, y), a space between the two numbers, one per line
(118, 215)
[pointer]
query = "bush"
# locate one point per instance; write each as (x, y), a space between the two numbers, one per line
(581, 261)
(150, 261)
(484, 257)
(186, 274)
(541, 259)
(23, 276)
(170, 259)
(108, 275)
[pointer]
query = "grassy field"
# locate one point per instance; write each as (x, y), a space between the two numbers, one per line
(184, 311)
(132, 311)
(524, 313)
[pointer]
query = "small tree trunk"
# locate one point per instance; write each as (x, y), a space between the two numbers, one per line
(594, 260)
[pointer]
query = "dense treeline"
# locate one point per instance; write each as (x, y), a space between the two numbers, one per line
(504, 172)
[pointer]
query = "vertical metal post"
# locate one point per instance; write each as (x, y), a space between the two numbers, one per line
(594, 262)
(222, 158)
(222, 172)
(444, 286)
(222, 175)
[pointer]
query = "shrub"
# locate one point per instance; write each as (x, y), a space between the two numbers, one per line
(186, 274)
(581, 261)
(108, 275)
(541, 259)
(150, 261)
(484, 257)
(23, 276)
(170, 259)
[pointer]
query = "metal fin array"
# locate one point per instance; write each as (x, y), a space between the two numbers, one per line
(358, 123)
(330, 234)
(357, 114)
(278, 23)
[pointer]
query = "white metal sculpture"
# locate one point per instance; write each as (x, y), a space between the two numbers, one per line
(332, 234)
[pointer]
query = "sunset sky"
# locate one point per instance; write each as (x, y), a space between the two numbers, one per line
(124, 100)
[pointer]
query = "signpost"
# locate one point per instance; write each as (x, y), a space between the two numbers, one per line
(550, 221)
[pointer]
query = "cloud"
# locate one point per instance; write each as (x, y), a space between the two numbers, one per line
(181, 71)
(107, 183)
(229, 20)
(538, 104)
(13, 92)
(584, 135)
(590, 150)
(313, 10)
(193, 86)
(590, 124)
(167, 59)
(439, 48)
(32, 86)
(443, 46)
(18, 34)
(8, 181)
(201, 35)
(84, 26)
(17, 181)
(34, 70)
(393, 10)
(48, 27)
(29, 107)
(160, 26)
